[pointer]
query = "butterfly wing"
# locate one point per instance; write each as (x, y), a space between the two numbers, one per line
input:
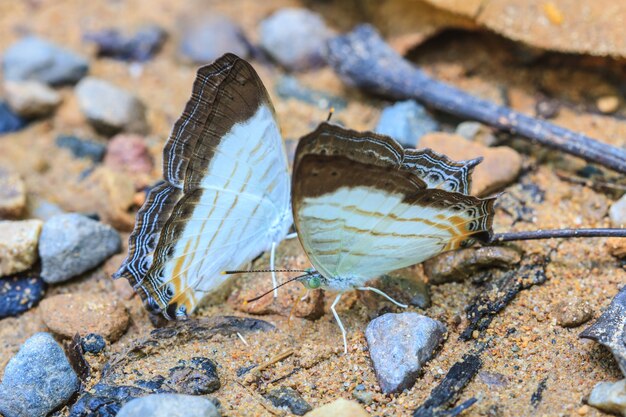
(226, 162)
(362, 208)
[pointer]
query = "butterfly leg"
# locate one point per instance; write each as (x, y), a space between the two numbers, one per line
(379, 292)
(291, 236)
(343, 331)
(274, 281)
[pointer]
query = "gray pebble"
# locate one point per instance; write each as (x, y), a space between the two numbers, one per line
(169, 405)
(109, 108)
(406, 122)
(31, 99)
(37, 380)
(477, 132)
(609, 397)
(399, 344)
(36, 59)
(197, 376)
(289, 398)
(209, 36)
(289, 87)
(295, 38)
(71, 244)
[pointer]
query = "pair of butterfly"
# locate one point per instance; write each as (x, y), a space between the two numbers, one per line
(362, 205)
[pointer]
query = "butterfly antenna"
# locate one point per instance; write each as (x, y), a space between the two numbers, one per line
(245, 271)
(557, 233)
(331, 111)
(278, 286)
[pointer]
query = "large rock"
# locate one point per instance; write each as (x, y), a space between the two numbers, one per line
(406, 122)
(71, 244)
(18, 245)
(31, 98)
(85, 313)
(110, 109)
(36, 59)
(12, 195)
(339, 408)
(500, 167)
(169, 405)
(399, 344)
(609, 397)
(37, 380)
(295, 38)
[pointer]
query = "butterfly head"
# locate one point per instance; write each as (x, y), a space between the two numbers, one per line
(312, 280)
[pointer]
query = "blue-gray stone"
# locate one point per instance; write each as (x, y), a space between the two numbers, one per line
(289, 87)
(406, 122)
(141, 46)
(9, 121)
(71, 244)
(169, 405)
(82, 148)
(399, 344)
(295, 38)
(285, 397)
(93, 343)
(20, 293)
(207, 37)
(37, 380)
(36, 59)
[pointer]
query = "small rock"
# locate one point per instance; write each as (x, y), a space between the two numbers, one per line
(208, 36)
(500, 167)
(289, 87)
(93, 343)
(197, 376)
(364, 397)
(84, 313)
(31, 99)
(141, 46)
(295, 38)
(9, 121)
(476, 132)
(617, 212)
(71, 244)
(339, 408)
(109, 108)
(42, 209)
(105, 400)
(493, 379)
(608, 104)
(457, 266)
(18, 245)
(285, 397)
(609, 397)
(36, 59)
(399, 344)
(37, 380)
(406, 122)
(547, 109)
(12, 195)
(169, 405)
(572, 312)
(129, 153)
(20, 293)
(82, 148)
(617, 247)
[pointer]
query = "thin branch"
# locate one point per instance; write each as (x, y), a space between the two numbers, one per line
(557, 233)
(362, 58)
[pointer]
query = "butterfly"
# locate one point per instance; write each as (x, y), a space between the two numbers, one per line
(364, 206)
(225, 197)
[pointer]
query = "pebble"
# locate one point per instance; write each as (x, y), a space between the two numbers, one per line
(31, 99)
(399, 344)
(142, 46)
(608, 104)
(609, 397)
(407, 122)
(37, 380)
(12, 195)
(36, 59)
(105, 400)
(85, 313)
(93, 343)
(285, 397)
(169, 405)
(476, 132)
(572, 312)
(18, 245)
(82, 148)
(20, 293)
(206, 37)
(129, 153)
(110, 109)
(501, 165)
(296, 38)
(197, 376)
(71, 244)
(547, 109)
(364, 397)
(9, 121)
(617, 212)
(459, 265)
(289, 87)
(339, 408)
